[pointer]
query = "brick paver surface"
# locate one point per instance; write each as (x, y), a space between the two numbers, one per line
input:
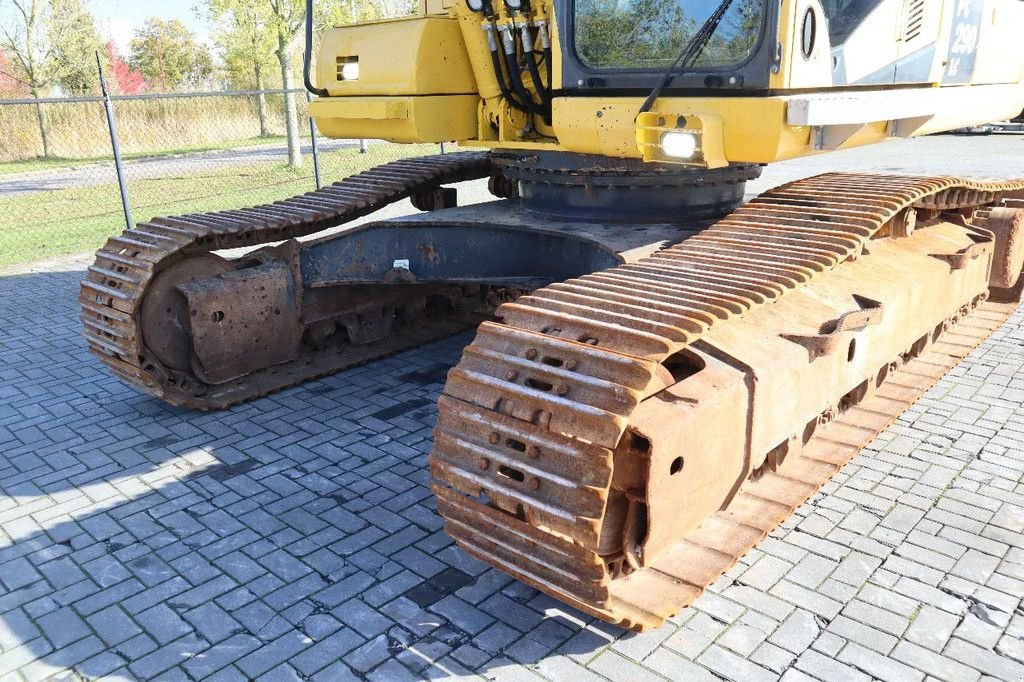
(294, 537)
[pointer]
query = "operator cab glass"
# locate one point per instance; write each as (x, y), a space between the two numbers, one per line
(844, 16)
(650, 34)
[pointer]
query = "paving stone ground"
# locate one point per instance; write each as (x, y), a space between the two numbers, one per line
(294, 537)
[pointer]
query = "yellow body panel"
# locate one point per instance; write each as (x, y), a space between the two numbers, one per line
(819, 102)
(409, 56)
(402, 119)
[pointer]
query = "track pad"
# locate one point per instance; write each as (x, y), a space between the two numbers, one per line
(243, 321)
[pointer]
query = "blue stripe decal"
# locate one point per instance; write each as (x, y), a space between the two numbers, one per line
(963, 42)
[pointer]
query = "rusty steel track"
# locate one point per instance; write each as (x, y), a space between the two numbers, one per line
(117, 284)
(533, 416)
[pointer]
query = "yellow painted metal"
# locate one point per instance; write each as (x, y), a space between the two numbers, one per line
(437, 7)
(651, 128)
(406, 66)
(499, 123)
(409, 56)
(753, 129)
(399, 119)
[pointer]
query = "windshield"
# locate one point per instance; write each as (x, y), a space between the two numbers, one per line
(650, 34)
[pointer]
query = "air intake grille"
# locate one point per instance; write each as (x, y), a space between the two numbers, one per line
(915, 20)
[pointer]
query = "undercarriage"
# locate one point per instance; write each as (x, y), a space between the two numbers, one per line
(649, 392)
(172, 317)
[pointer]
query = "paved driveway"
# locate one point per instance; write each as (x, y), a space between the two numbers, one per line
(294, 537)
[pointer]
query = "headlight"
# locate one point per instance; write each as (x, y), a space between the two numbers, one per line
(679, 145)
(475, 5)
(350, 71)
(514, 5)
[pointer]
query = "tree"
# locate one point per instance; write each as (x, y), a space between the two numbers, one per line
(168, 55)
(283, 21)
(387, 9)
(77, 48)
(10, 84)
(123, 79)
(278, 22)
(246, 36)
(287, 18)
(46, 41)
(650, 34)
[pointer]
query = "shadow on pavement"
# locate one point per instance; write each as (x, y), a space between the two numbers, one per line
(297, 530)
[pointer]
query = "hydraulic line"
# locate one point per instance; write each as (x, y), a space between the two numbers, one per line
(531, 64)
(545, 45)
(307, 56)
(499, 70)
(547, 64)
(515, 77)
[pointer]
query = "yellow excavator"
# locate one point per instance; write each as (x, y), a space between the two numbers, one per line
(661, 373)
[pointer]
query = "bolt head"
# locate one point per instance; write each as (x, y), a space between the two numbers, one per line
(533, 483)
(571, 365)
(531, 354)
(510, 375)
(562, 389)
(533, 452)
(494, 438)
(483, 464)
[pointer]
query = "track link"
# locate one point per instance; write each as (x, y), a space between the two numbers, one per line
(531, 417)
(117, 283)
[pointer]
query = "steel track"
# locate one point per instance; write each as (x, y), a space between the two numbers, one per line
(117, 283)
(550, 391)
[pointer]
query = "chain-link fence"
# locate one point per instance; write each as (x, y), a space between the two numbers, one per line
(184, 153)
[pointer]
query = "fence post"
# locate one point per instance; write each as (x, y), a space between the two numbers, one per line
(363, 147)
(115, 145)
(443, 150)
(312, 139)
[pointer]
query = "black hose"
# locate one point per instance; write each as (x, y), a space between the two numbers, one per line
(307, 57)
(538, 84)
(547, 65)
(545, 94)
(516, 79)
(499, 74)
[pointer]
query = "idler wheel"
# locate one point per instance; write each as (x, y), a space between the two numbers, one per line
(165, 328)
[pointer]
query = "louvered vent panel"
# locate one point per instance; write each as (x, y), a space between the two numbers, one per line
(915, 20)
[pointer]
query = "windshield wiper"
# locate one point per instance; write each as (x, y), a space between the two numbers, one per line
(690, 52)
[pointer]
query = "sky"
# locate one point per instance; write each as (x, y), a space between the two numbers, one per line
(118, 19)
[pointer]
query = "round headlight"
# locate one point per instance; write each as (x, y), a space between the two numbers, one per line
(350, 71)
(514, 4)
(475, 5)
(679, 145)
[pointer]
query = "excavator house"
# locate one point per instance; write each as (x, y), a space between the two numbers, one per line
(662, 371)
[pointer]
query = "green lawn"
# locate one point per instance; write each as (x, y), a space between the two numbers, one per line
(63, 222)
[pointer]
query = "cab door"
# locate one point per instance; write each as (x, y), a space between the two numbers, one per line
(863, 35)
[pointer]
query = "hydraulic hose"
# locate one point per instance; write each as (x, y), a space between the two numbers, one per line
(545, 45)
(515, 77)
(547, 65)
(499, 71)
(503, 86)
(307, 57)
(531, 64)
